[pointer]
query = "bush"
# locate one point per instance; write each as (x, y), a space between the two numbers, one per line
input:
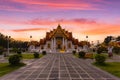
(36, 55)
(20, 55)
(100, 59)
(1, 50)
(14, 59)
(15, 50)
(74, 52)
(89, 55)
(82, 54)
(101, 49)
(44, 52)
(19, 52)
(116, 49)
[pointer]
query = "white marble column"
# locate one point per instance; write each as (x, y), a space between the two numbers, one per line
(66, 44)
(54, 44)
(63, 42)
(51, 44)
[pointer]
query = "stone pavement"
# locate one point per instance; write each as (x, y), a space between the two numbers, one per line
(59, 67)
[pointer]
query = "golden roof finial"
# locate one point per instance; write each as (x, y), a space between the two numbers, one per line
(59, 26)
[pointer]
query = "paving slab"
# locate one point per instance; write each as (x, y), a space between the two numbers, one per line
(59, 67)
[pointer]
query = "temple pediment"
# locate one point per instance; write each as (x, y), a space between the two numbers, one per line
(59, 32)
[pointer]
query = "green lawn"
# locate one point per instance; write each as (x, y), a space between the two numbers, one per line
(91, 56)
(29, 56)
(6, 68)
(111, 67)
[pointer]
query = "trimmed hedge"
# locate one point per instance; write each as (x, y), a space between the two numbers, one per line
(100, 59)
(36, 55)
(44, 52)
(82, 54)
(74, 52)
(14, 59)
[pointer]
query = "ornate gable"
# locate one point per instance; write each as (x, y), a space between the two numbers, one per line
(59, 32)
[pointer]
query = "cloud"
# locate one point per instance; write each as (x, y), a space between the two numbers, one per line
(38, 21)
(41, 5)
(104, 30)
(30, 29)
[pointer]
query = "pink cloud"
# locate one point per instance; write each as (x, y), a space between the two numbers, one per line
(10, 8)
(30, 29)
(37, 5)
(62, 21)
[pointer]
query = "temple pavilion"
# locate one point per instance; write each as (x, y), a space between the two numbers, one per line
(58, 40)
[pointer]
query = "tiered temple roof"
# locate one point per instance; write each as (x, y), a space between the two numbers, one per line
(51, 34)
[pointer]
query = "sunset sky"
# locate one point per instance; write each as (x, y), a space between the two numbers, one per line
(94, 18)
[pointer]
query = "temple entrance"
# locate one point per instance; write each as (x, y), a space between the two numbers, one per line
(59, 46)
(58, 43)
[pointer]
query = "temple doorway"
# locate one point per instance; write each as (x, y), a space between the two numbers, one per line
(58, 43)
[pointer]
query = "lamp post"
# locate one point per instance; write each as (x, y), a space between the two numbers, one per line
(30, 38)
(30, 43)
(8, 51)
(87, 38)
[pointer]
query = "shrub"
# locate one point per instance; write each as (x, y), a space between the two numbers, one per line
(82, 54)
(14, 59)
(89, 55)
(1, 50)
(74, 52)
(20, 55)
(19, 52)
(100, 59)
(101, 49)
(116, 49)
(15, 50)
(36, 55)
(44, 52)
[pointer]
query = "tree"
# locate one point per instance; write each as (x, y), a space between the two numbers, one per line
(108, 39)
(1, 50)
(12, 42)
(118, 38)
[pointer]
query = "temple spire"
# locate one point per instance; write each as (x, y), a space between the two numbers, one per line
(59, 27)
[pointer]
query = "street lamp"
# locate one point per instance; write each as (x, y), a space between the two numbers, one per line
(30, 38)
(8, 51)
(30, 43)
(87, 38)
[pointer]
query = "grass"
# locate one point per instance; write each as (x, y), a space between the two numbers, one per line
(111, 67)
(30, 56)
(6, 68)
(91, 55)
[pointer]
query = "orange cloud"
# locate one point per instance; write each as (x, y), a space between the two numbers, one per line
(104, 30)
(32, 29)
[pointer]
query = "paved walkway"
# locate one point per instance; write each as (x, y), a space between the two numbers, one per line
(59, 67)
